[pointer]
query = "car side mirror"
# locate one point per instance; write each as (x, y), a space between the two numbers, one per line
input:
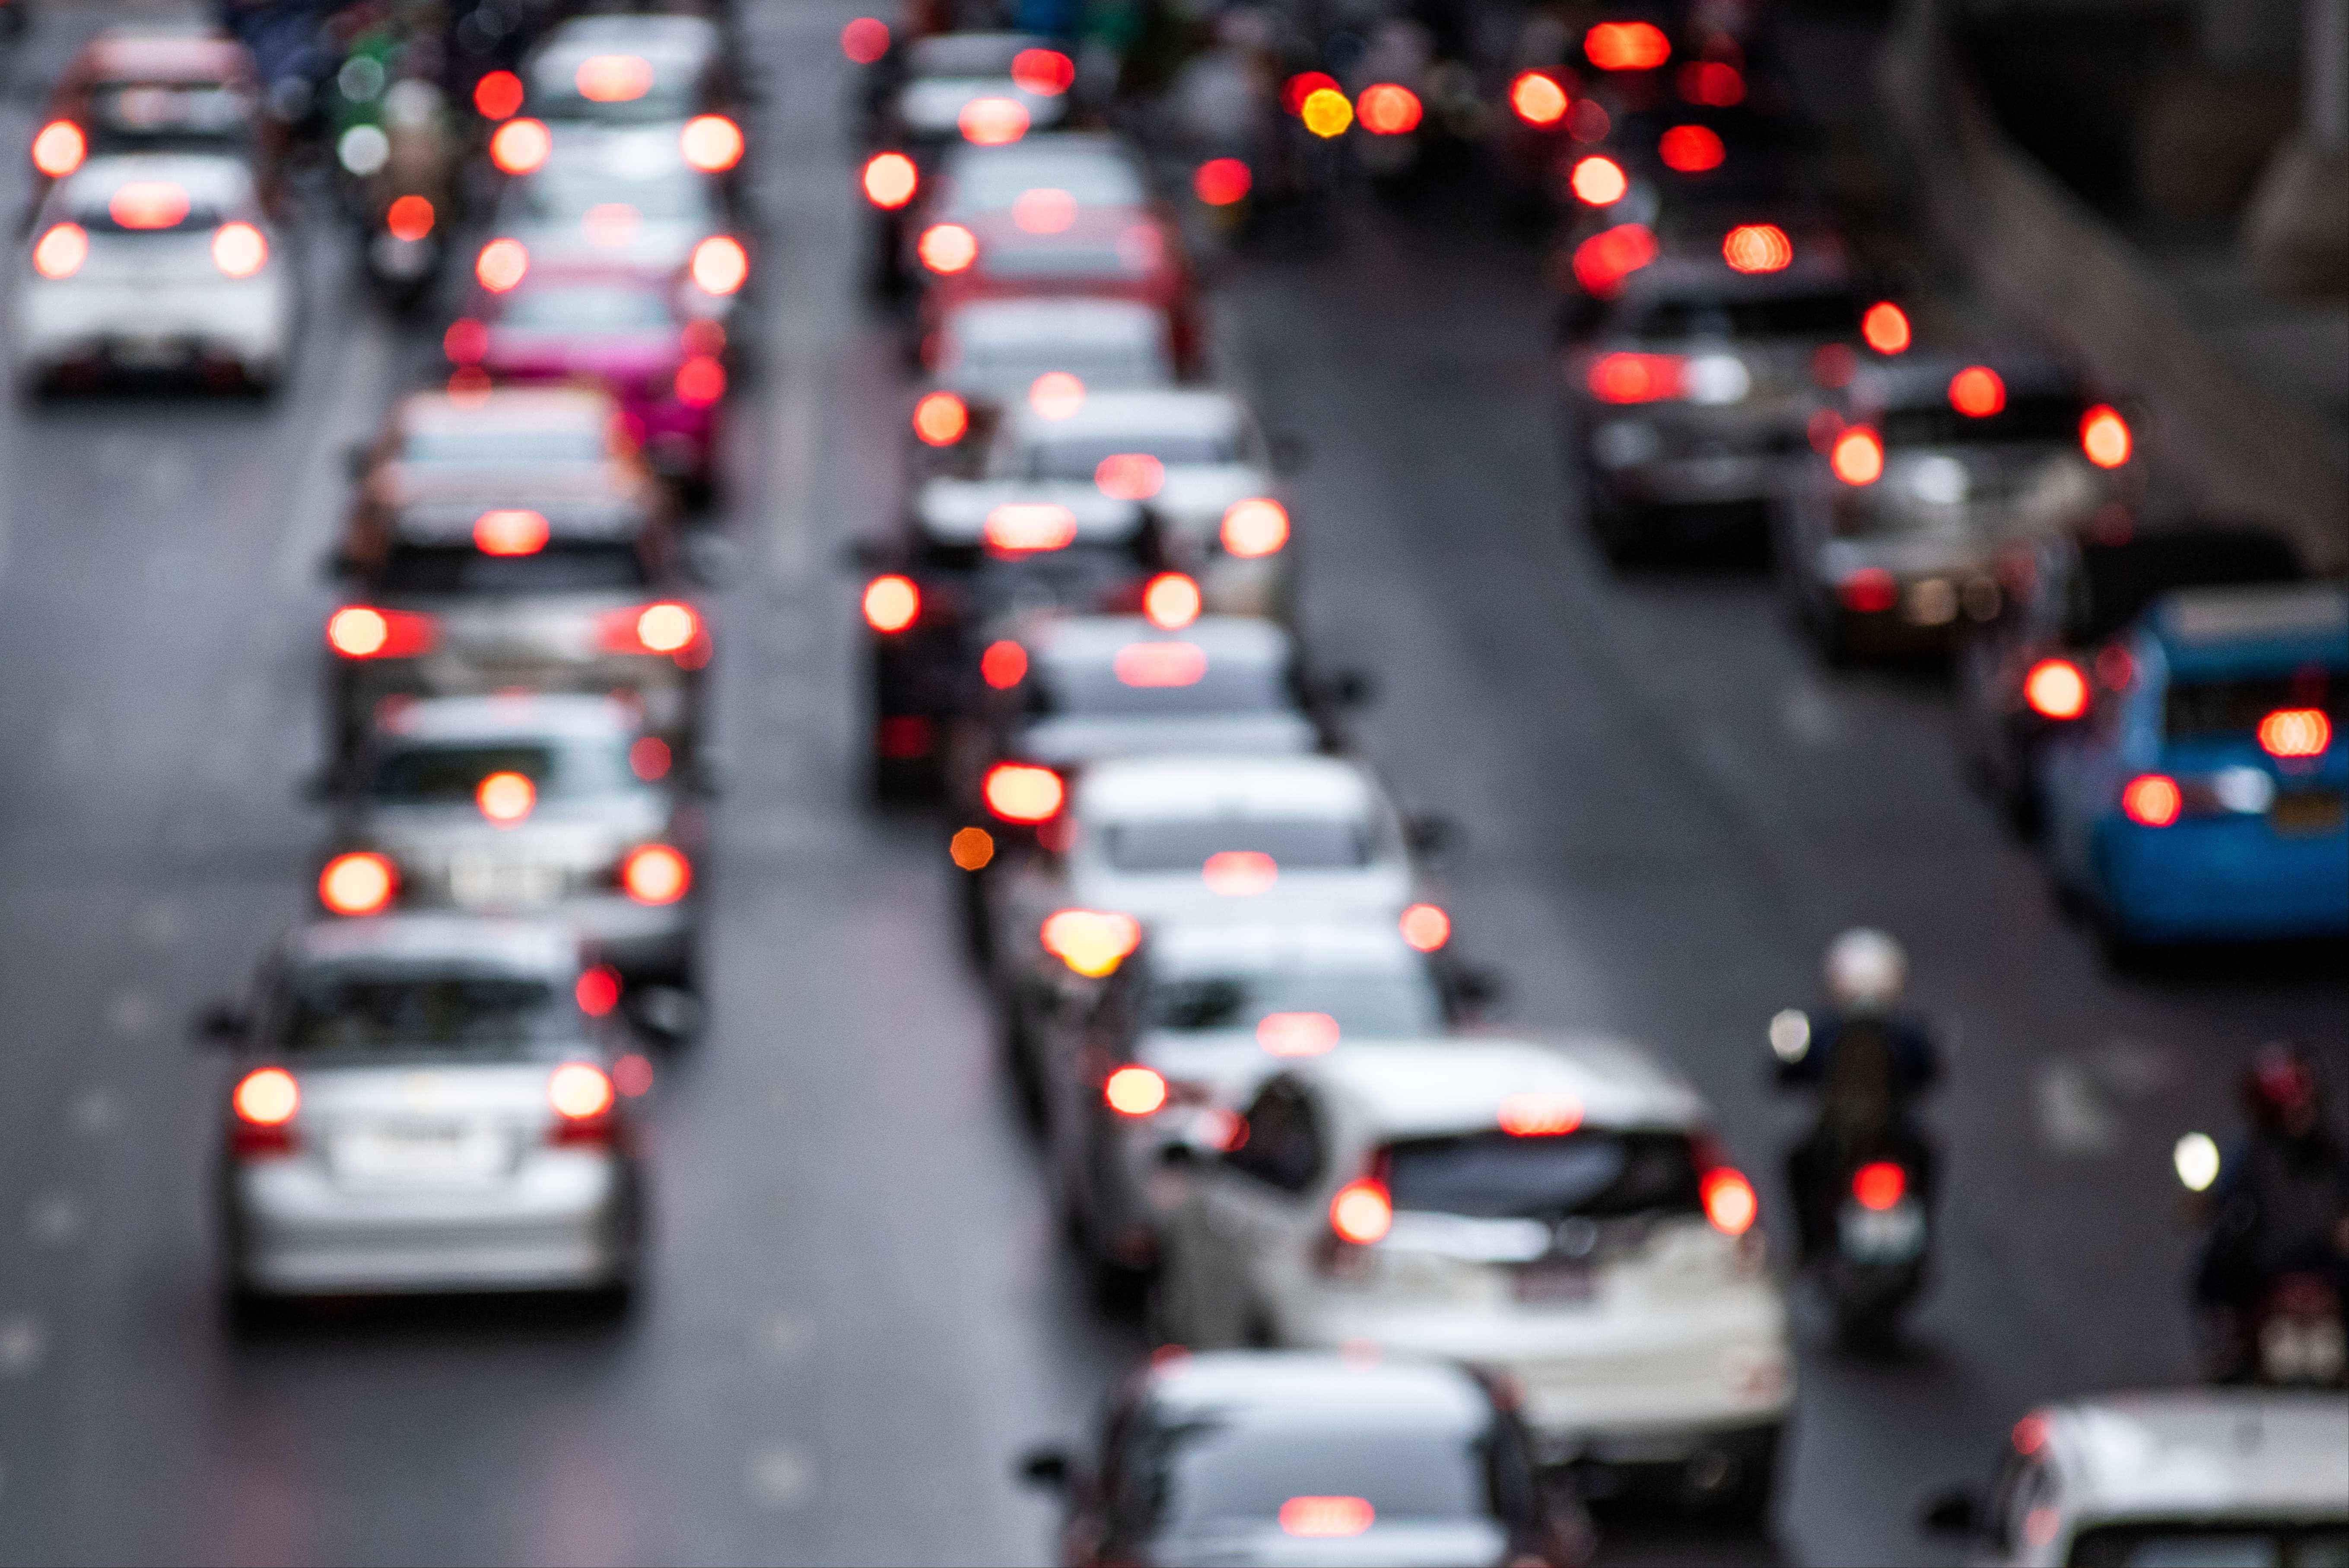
(1957, 1512)
(1045, 1467)
(1289, 453)
(219, 1023)
(1429, 834)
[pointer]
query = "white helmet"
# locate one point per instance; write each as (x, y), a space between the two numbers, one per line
(1865, 970)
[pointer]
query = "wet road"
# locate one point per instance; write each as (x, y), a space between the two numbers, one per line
(858, 1314)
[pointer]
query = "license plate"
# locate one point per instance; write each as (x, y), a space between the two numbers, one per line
(2306, 815)
(450, 1152)
(478, 882)
(1881, 1235)
(1556, 1284)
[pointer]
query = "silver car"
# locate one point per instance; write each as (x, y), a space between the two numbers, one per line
(423, 1104)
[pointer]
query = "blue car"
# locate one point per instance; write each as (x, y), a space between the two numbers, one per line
(2203, 798)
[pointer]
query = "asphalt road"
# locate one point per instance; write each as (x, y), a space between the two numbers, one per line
(859, 1314)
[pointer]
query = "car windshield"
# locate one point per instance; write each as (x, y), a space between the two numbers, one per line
(2118, 580)
(1215, 1471)
(966, 54)
(588, 308)
(344, 1008)
(449, 773)
(630, 88)
(126, 113)
(1008, 367)
(154, 207)
(1826, 314)
(1078, 457)
(502, 446)
(1366, 1004)
(1056, 257)
(2209, 710)
(575, 192)
(1184, 844)
(1168, 677)
(2040, 419)
(563, 567)
(2184, 1544)
(1495, 1176)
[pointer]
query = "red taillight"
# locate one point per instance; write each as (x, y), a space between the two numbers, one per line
(1134, 1092)
(1712, 83)
(648, 758)
(1170, 601)
(1628, 378)
(721, 265)
(2295, 733)
(2055, 689)
(1129, 475)
(1729, 1201)
(1690, 149)
(1885, 327)
(264, 1103)
(498, 95)
(2104, 437)
(61, 251)
(1870, 590)
(1388, 109)
(1857, 456)
(712, 143)
(1537, 99)
(864, 40)
(1046, 73)
(511, 531)
(1253, 528)
(1017, 792)
(1626, 46)
(668, 627)
(409, 218)
(1088, 942)
(1977, 392)
(1302, 85)
(992, 121)
(655, 874)
(940, 419)
(502, 264)
(581, 1097)
(360, 882)
(520, 146)
(363, 631)
(892, 603)
(1425, 927)
(890, 180)
(1361, 1212)
(598, 991)
(700, 382)
(1599, 182)
(1879, 1185)
(947, 248)
(506, 797)
(2152, 800)
(149, 205)
(59, 147)
(1757, 247)
(466, 342)
(1004, 665)
(239, 250)
(1603, 261)
(1220, 182)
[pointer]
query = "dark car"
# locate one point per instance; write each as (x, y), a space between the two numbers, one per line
(1260, 1457)
(2032, 673)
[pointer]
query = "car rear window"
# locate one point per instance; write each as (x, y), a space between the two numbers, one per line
(1210, 1471)
(1012, 367)
(1092, 691)
(449, 774)
(1294, 844)
(1496, 1175)
(347, 1009)
(1079, 457)
(632, 89)
(1823, 315)
(1365, 1003)
(993, 184)
(125, 112)
(570, 191)
(2209, 710)
(2051, 420)
(2118, 580)
(1024, 259)
(2192, 1544)
(496, 446)
(588, 309)
(563, 567)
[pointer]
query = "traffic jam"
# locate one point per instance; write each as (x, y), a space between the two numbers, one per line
(1411, 1281)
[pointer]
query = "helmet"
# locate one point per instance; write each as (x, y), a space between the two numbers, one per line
(1865, 970)
(2280, 1086)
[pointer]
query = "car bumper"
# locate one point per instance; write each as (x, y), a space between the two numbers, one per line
(158, 328)
(2226, 879)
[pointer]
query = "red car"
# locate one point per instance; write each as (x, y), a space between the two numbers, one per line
(621, 327)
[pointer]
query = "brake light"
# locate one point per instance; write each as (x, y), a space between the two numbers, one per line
(1879, 1185)
(1603, 261)
(149, 205)
(1297, 1033)
(1170, 601)
(1316, 1518)
(59, 147)
(712, 143)
(1302, 85)
(1046, 73)
(1129, 475)
(947, 248)
(502, 264)
(1388, 109)
(1729, 1201)
(2104, 437)
(700, 382)
(1870, 590)
(1220, 182)
(1599, 182)
(409, 218)
(1325, 112)
(892, 603)
(1857, 456)
(1757, 247)
(1240, 873)
(1134, 1092)
(1628, 378)
(940, 419)
(1425, 927)
(1056, 395)
(266, 1098)
(1361, 1212)
(2295, 733)
(1977, 392)
(2055, 689)
(360, 882)
(520, 146)
(1088, 942)
(2152, 800)
(720, 264)
(511, 531)
(890, 180)
(864, 40)
(655, 874)
(1017, 791)
(1885, 327)
(597, 991)
(1539, 1114)
(1712, 83)
(1253, 528)
(1004, 665)
(613, 78)
(648, 758)
(1026, 527)
(1537, 99)
(466, 341)
(667, 627)
(703, 336)
(1690, 149)
(363, 631)
(992, 121)
(1626, 46)
(61, 251)
(1151, 666)
(506, 798)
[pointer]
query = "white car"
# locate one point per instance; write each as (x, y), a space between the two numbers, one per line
(1556, 1212)
(2174, 1476)
(1200, 460)
(155, 262)
(992, 353)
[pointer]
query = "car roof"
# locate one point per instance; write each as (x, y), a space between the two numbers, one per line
(1188, 788)
(1317, 1388)
(538, 715)
(468, 941)
(158, 55)
(2203, 1453)
(1096, 639)
(511, 407)
(211, 179)
(2309, 620)
(1435, 1088)
(1921, 378)
(1116, 323)
(1155, 411)
(954, 511)
(1222, 946)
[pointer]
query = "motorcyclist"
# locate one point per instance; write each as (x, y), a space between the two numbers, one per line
(1869, 1061)
(2280, 1205)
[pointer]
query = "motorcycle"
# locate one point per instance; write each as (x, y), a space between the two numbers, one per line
(2294, 1333)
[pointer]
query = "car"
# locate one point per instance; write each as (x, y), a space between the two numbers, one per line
(1302, 1459)
(619, 327)
(1931, 465)
(993, 353)
(552, 807)
(1048, 175)
(1198, 457)
(426, 1104)
(2170, 1474)
(1162, 1052)
(1557, 1213)
(631, 69)
(148, 263)
(2029, 671)
(2202, 800)
(966, 555)
(1695, 387)
(154, 89)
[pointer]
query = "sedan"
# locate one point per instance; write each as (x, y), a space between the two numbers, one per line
(990, 355)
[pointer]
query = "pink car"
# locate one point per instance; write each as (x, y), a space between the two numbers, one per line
(619, 327)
